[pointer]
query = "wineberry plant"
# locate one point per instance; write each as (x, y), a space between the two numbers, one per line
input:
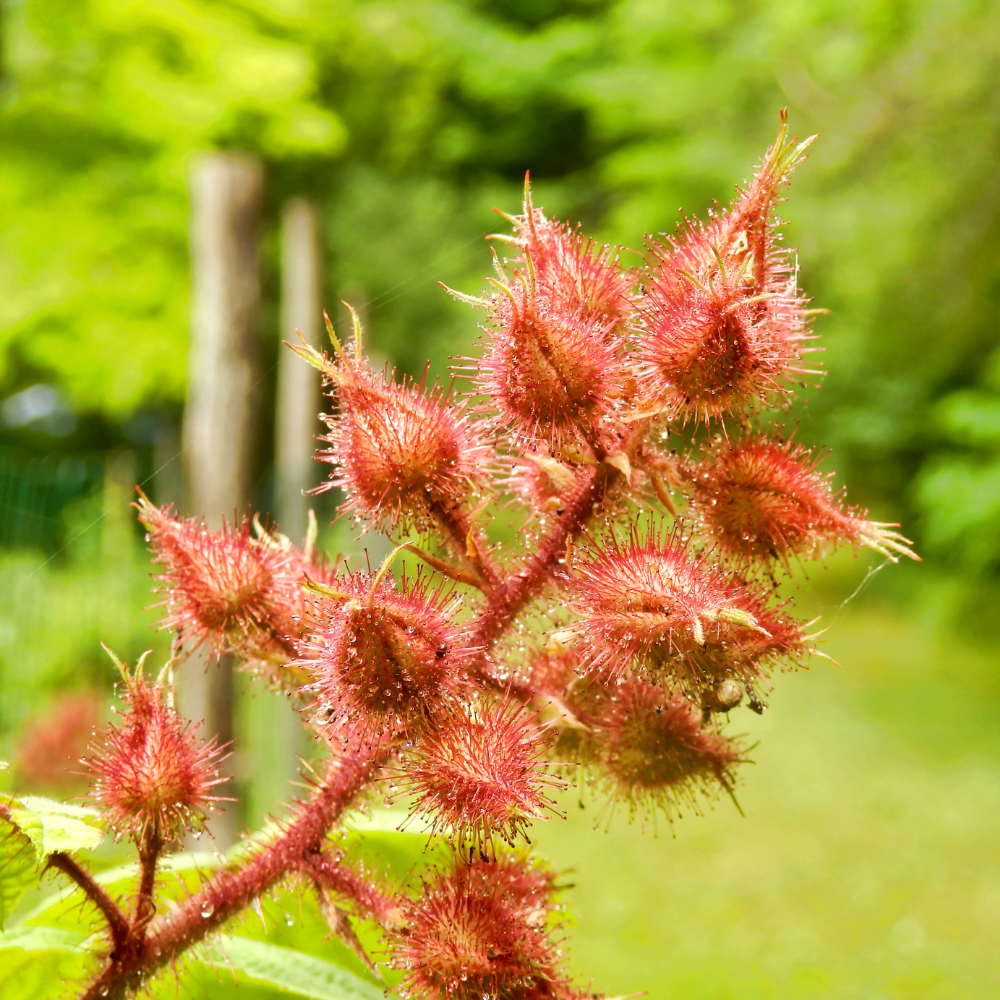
(588, 546)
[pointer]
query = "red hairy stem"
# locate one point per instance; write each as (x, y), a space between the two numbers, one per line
(231, 891)
(333, 875)
(509, 598)
(149, 853)
(117, 922)
(459, 529)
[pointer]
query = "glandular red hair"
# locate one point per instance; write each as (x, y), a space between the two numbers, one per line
(723, 324)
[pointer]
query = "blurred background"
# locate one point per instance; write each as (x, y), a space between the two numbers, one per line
(868, 862)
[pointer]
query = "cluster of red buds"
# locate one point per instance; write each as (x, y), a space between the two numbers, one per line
(623, 411)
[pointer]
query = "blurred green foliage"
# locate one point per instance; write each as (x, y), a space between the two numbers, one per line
(408, 121)
(865, 867)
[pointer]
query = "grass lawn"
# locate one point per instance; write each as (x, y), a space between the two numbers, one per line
(868, 862)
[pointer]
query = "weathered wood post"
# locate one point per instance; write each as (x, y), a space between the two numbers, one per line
(226, 194)
(277, 732)
(298, 383)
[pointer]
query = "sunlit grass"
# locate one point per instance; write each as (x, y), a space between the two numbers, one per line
(867, 864)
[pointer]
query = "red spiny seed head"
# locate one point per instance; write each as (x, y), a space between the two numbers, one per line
(477, 772)
(574, 272)
(550, 371)
(556, 667)
(227, 586)
(399, 449)
(657, 753)
(763, 499)
(379, 653)
(153, 772)
(722, 320)
(653, 604)
(480, 931)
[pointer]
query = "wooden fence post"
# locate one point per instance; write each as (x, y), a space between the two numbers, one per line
(277, 732)
(226, 194)
(298, 383)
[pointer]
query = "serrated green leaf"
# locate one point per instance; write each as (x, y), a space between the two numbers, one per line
(17, 868)
(287, 969)
(56, 826)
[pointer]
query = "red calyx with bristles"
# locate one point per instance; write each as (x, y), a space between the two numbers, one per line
(477, 773)
(480, 930)
(763, 499)
(400, 450)
(573, 272)
(554, 361)
(723, 322)
(775, 640)
(550, 371)
(380, 654)
(657, 753)
(153, 773)
(653, 604)
(225, 586)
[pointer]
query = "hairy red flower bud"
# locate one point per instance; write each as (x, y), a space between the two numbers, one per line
(153, 771)
(549, 372)
(763, 499)
(551, 368)
(573, 272)
(657, 753)
(478, 773)
(723, 322)
(571, 701)
(379, 654)
(480, 931)
(399, 449)
(227, 586)
(653, 604)
(777, 640)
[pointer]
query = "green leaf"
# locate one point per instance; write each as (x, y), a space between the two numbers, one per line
(36, 963)
(56, 826)
(41, 939)
(17, 868)
(287, 969)
(399, 853)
